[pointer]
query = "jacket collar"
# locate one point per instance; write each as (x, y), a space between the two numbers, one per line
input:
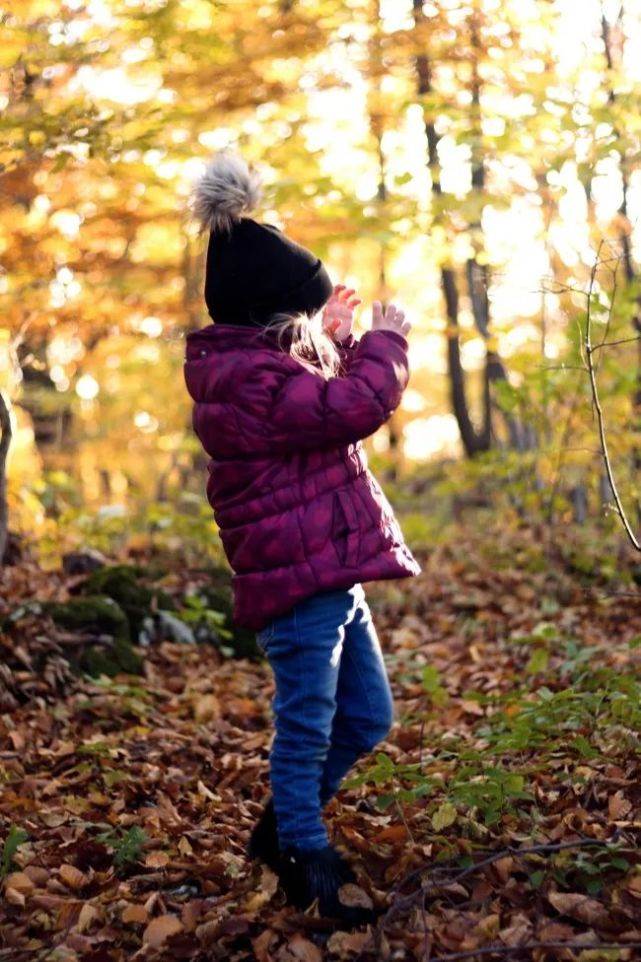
(235, 335)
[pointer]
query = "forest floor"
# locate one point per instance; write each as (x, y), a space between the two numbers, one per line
(500, 820)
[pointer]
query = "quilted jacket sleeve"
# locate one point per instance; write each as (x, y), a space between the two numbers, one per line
(309, 411)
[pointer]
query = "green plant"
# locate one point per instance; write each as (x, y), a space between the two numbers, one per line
(15, 838)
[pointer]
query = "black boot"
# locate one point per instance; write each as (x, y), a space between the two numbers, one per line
(263, 842)
(319, 874)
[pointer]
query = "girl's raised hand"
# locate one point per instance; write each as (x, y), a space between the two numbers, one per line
(392, 319)
(338, 313)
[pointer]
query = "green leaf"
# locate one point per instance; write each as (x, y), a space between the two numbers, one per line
(538, 662)
(15, 838)
(536, 878)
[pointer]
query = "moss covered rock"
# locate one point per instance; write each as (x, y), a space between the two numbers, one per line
(124, 584)
(98, 615)
(218, 597)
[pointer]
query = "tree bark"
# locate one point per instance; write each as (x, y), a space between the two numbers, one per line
(629, 267)
(5, 440)
(474, 441)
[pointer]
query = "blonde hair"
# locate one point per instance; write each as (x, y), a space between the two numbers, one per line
(304, 338)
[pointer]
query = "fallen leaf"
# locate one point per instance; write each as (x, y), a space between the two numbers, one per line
(618, 806)
(20, 882)
(72, 876)
(633, 885)
(517, 932)
(156, 859)
(14, 897)
(135, 913)
(160, 929)
(579, 907)
(444, 816)
(206, 708)
(555, 932)
(354, 896)
(88, 914)
(184, 846)
(346, 943)
(301, 948)
(262, 944)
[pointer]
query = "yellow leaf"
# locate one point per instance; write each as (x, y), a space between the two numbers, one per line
(444, 816)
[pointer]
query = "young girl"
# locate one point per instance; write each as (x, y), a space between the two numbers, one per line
(284, 396)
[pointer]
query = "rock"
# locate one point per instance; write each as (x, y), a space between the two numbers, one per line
(218, 597)
(124, 584)
(98, 616)
(83, 562)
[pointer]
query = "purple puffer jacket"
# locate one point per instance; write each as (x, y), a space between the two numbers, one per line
(297, 508)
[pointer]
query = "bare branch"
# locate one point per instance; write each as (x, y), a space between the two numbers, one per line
(589, 350)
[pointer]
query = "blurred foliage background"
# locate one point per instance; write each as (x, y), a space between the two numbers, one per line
(475, 160)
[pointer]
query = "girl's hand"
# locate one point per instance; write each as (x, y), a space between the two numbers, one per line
(392, 320)
(338, 313)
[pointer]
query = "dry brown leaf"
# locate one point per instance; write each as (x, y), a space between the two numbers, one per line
(135, 913)
(88, 914)
(262, 944)
(206, 708)
(633, 885)
(72, 876)
(555, 932)
(19, 882)
(618, 806)
(391, 833)
(344, 944)
(519, 931)
(504, 867)
(580, 907)
(184, 846)
(354, 896)
(489, 925)
(156, 859)
(14, 897)
(302, 949)
(160, 929)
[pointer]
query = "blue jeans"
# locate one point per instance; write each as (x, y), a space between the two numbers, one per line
(332, 704)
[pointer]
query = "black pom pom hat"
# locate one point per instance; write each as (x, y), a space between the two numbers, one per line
(253, 270)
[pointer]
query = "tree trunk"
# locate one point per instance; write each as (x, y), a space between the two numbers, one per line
(5, 440)
(629, 267)
(474, 441)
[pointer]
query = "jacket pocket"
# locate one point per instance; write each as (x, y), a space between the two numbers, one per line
(346, 535)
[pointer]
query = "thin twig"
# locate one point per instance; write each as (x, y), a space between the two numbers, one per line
(624, 340)
(530, 946)
(459, 874)
(596, 402)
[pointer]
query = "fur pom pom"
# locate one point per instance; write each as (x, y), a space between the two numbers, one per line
(226, 190)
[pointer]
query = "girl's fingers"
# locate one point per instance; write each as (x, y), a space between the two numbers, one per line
(338, 288)
(406, 327)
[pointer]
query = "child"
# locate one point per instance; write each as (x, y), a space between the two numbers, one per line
(283, 396)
